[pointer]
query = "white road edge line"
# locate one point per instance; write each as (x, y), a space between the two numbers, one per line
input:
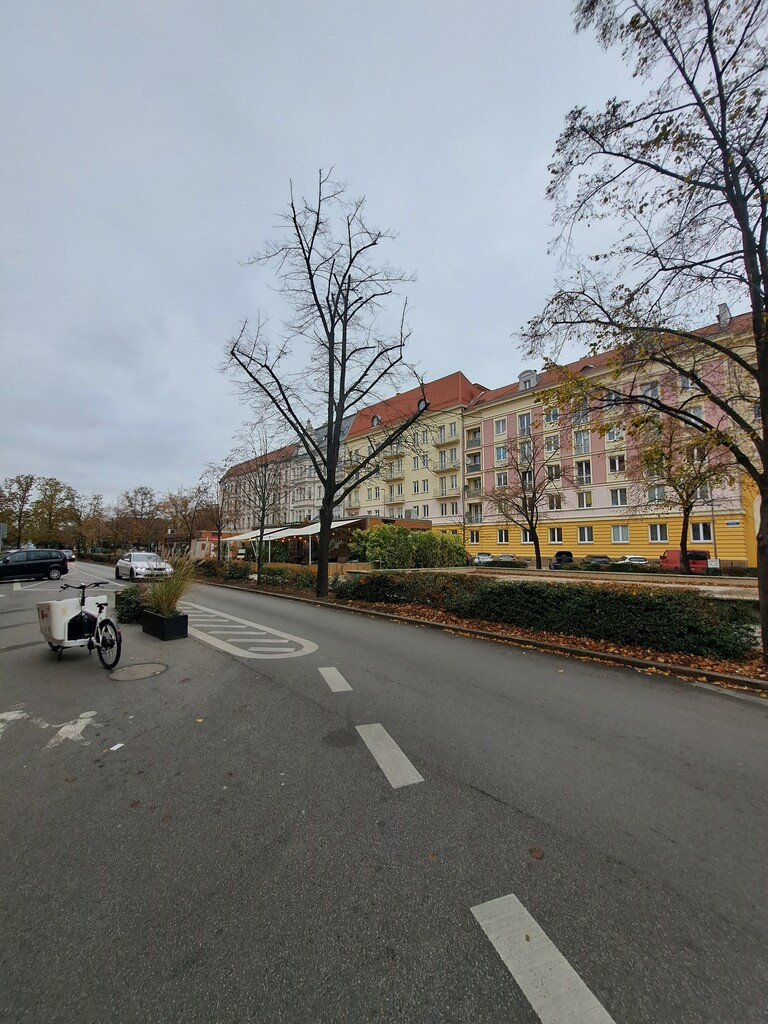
(396, 767)
(549, 983)
(335, 679)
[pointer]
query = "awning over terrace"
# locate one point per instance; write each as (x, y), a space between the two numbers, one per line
(288, 532)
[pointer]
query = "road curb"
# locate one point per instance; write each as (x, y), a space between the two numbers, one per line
(518, 641)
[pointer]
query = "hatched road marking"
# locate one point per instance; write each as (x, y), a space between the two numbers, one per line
(549, 983)
(389, 757)
(238, 636)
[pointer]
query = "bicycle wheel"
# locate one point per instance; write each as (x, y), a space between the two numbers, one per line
(108, 643)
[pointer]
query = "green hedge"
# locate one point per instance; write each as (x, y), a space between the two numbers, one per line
(130, 602)
(293, 579)
(237, 570)
(674, 621)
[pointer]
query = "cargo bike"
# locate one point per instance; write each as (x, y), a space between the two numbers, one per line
(81, 622)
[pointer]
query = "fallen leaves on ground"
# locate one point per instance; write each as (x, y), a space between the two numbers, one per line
(536, 853)
(135, 804)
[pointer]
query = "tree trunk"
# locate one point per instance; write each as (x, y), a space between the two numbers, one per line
(762, 568)
(536, 547)
(323, 548)
(260, 552)
(685, 565)
(218, 546)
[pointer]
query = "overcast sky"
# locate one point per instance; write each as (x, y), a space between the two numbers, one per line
(146, 146)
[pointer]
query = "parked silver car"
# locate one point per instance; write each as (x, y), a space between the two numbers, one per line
(141, 565)
(482, 558)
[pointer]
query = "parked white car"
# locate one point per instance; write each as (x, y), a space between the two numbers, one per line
(141, 565)
(482, 558)
(632, 560)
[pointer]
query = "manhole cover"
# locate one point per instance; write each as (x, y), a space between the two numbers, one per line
(138, 671)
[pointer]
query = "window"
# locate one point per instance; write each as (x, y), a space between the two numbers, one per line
(501, 453)
(525, 537)
(526, 384)
(617, 464)
(611, 399)
(415, 487)
(620, 534)
(553, 471)
(416, 511)
(584, 499)
(651, 390)
(701, 531)
(657, 533)
(656, 493)
(415, 461)
(697, 454)
(551, 416)
(452, 454)
(581, 442)
(424, 461)
(454, 508)
(615, 434)
(686, 384)
(552, 444)
(757, 412)
(555, 535)
(452, 428)
(391, 492)
(524, 424)
(703, 492)
(377, 492)
(501, 479)
(503, 536)
(370, 493)
(555, 502)
(583, 473)
(443, 508)
(425, 511)
(415, 437)
(399, 490)
(474, 536)
(454, 480)
(424, 436)
(500, 427)
(526, 478)
(580, 414)
(619, 496)
(441, 433)
(586, 535)
(424, 486)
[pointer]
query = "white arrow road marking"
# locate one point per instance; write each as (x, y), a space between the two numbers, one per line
(335, 679)
(238, 635)
(549, 983)
(389, 757)
(73, 730)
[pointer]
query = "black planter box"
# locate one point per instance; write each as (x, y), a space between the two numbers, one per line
(164, 627)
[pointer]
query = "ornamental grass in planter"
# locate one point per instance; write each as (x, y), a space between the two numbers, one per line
(161, 617)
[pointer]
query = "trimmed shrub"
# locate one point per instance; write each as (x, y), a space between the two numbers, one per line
(237, 571)
(130, 602)
(207, 568)
(662, 621)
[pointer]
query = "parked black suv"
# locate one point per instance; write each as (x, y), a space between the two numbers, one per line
(561, 560)
(39, 564)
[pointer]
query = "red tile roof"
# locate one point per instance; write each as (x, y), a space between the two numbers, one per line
(251, 464)
(453, 390)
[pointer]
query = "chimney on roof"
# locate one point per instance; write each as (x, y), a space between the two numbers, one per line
(723, 316)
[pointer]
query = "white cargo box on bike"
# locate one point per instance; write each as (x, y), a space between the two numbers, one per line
(53, 616)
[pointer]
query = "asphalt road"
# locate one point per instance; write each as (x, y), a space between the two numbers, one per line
(514, 837)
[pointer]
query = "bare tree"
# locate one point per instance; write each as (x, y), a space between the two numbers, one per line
(264, 478)
(186, 508)
(676, 469)
(326, 269)
(682, 175)
(221, 509)
(17, 501)
(531, 483)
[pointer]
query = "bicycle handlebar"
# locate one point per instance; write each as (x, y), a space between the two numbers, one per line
(82, 586)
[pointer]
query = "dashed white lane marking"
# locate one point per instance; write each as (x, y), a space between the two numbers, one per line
(335, 679)
(6, 717)
(549, 983)
(17, 586)
(73, 730)
(389, 757)
(238, 636)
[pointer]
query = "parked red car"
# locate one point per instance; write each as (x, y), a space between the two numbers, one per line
(671, 561)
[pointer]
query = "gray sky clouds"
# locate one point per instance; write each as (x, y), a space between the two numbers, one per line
(146, 147)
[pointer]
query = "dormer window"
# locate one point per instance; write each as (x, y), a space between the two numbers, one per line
(528, 380)
(375, 421)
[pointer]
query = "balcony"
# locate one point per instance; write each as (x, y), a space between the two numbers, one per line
(397, 500)
(442, 442)
(474, 468)
(447, 466)
(393, 474)
(446, 492)
(395, 451)
(475, 519)
(473, 442)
